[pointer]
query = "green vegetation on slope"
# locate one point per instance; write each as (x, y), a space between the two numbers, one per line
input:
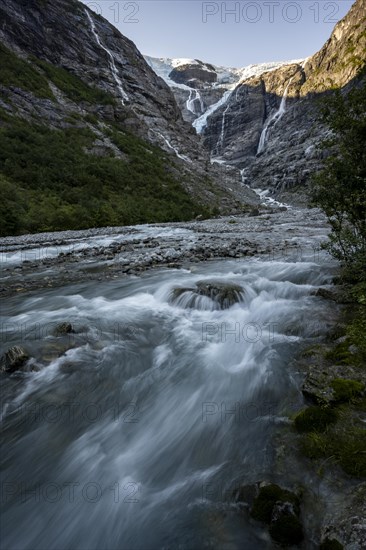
(72, 86)
(51, 182)
(16, 72)
(34, 74)
(54, 179)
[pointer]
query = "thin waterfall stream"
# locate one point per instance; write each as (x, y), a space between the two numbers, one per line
(114, 70)
(272, 120)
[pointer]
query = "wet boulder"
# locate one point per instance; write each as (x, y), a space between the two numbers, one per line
(208, 294)
(280, 510)
(14, 359)
(223, 293)
(62, 329)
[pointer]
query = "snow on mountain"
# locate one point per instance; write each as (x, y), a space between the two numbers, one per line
(226, 76)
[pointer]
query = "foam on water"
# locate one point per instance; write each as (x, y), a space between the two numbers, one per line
(163, 390)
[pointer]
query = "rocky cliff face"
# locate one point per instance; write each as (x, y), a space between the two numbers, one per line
(66, 35)
(265, 122)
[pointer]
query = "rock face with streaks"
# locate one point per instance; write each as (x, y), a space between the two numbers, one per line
(268, 124)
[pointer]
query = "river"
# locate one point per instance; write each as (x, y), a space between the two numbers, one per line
(133, 431)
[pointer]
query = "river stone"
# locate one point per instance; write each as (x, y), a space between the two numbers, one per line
(221, 292)
(63, 328)
(14, 359)
(224, 294)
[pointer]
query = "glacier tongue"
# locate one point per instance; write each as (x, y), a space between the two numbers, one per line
(200, 123)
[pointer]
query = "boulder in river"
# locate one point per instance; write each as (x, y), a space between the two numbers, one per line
(280, 510)
(14, 359)
(222, 295)
(62, 329)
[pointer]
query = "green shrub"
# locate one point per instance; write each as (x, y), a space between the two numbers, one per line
(344, 173)
(16, 72)
(12, 207)
(315, 419)
(345, 390)
(72, 85)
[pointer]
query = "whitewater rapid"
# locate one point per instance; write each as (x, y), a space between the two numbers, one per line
(134, 430)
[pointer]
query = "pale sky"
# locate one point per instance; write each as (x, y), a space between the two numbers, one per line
(233, 34)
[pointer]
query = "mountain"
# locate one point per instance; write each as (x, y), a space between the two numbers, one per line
(263, 119)
(89, 134)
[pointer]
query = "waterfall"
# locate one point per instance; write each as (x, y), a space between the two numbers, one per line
(182, 157)
(190, 103)
(114, 70)
(220, 142)
(201, 101)
(274, 118)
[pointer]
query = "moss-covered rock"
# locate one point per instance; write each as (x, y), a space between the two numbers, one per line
(280, 510)
(342, 443)
(221, 293)
(267, 498)
(224, 293)
(315, 419)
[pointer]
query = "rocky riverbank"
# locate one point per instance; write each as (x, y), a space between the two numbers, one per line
(31, 262)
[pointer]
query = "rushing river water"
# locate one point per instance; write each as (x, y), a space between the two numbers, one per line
(137, 428)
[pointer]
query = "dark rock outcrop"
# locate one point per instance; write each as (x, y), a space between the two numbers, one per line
(194, 74)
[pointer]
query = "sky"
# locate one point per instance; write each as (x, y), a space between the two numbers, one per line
(232, 34)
